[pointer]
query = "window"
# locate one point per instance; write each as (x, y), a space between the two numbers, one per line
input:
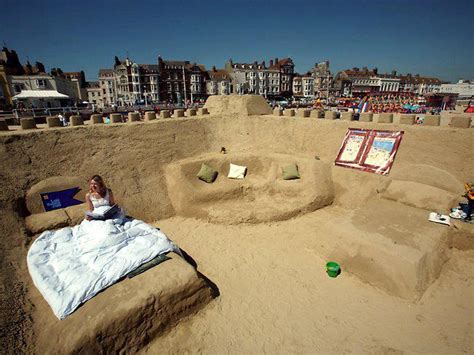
(41, 83)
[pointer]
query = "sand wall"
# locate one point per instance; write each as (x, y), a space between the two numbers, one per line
(132, 159)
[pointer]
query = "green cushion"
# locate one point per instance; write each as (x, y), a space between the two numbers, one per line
(290, 172)
(207, 173)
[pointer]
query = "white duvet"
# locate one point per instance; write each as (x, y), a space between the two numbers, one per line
(71, 265)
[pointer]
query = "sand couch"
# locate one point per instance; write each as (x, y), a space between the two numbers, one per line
(388, 240)
(261, 196)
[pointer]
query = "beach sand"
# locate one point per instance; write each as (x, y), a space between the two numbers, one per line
(275, 296)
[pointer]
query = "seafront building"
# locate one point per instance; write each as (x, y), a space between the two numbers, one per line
(129, 83)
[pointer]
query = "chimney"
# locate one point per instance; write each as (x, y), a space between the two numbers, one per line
(276, 60)
(271, 62)
(263, 63)
(214, 68)
(394, 73)
(376, 71)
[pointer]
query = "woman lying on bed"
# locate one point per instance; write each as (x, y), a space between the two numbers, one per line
(99, 197)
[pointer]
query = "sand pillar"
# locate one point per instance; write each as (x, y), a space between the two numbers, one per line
(460, 122)
(385, 118)
(150, 116)
(407, 119)
(190, 112)
(116, 118)
(165, 114)
(133, 117)
(431, 120)
(277, 112)
(366, 117)
(53, 121)
(178, 113)
(289, 112)
(317, 114)
(3, 125)
(347, 116)
(330, 115)
(96, 119)
(203, 111)
(303, 113)
(27, 123)
(76, 121)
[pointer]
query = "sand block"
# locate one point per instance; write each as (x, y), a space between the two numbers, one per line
(407, 119)
(76, 121)
(366, 117)
(431, 120)
(40, 222)
(3, 125)
(385, 118)
(116, 118)
(347, 116)
(54, 121)
(190, 112)
(261, 197)
(303, 113)
(28, 123)
(460, 122)
(277, 112)
(76, 213)
(330, 115)
(393, 247)
(289, 112)
(165, 114)
(97, 119)
(317, 114)
(150, 116)
(247, 105)
(420, 195)
(127, 315)
(178, 113)
(204, 110)
(56, 183)
(133, 117)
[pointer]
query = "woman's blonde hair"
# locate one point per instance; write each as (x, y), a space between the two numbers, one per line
(98, 179)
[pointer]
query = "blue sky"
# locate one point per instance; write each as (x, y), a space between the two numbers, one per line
(430, 37)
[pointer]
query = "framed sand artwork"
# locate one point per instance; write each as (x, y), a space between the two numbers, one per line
(369, 150)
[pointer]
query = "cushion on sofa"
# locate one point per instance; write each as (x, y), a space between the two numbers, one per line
(207, 173)
(236, 171)
(290, 172)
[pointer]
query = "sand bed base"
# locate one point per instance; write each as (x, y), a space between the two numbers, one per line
(127, 315)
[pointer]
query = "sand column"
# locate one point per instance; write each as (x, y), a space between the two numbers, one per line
(53, 121)
(431, 120)
(366, 117)
(407, 119)
(150, 116)
(203, 111)
(347, 116)
(3, 125)
(191, 112)
(289, 112)
(330, 115)
(96, 119)
(277, 112)
(76, 121)
(303, 113)
(178, 113)
(27, 123)
(165, 114)
(116, 118)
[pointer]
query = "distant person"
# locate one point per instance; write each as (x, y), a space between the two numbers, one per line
(62, 119)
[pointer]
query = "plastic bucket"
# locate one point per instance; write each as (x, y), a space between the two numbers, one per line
(333, 269)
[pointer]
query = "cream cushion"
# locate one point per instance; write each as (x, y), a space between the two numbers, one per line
(236, 171)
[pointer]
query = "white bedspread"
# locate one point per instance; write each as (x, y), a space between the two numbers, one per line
(71, 265)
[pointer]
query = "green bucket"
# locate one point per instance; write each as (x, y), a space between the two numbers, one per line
(333, 269)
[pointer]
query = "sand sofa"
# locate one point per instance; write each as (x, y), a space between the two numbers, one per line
(263, 195)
